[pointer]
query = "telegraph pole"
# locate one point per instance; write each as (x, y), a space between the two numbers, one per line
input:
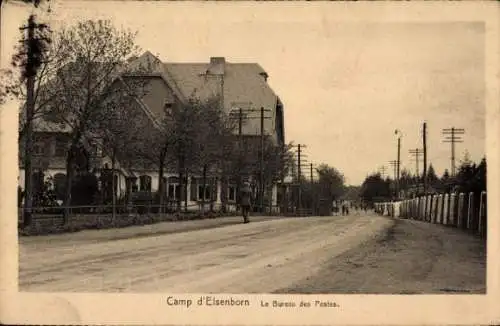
(394, 165)
(398, 163)
(416, 153)
(424, 143)
(34, 53)
(382, 170)
(262, 188)
(300, 180)
(453, 136)
(262, 117)
(299, 173)
(399, 158)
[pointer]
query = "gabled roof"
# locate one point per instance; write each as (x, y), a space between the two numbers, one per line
(242, 82)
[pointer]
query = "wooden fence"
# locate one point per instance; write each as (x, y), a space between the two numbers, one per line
(467, 211)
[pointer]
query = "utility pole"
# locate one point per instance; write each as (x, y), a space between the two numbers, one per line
(398, 167)
(453, 136)
(262, 134)
(299, 172)
(241, 116)
(416, 153)
(34, 53)
(398, 163)
(300, 179)
(424, 143)
(394, 165)
(382, 170)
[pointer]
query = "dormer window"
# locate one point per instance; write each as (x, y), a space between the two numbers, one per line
(168, 104)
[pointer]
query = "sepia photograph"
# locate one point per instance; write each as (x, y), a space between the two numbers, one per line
(249, 155)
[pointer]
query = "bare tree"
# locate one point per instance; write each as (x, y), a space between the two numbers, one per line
(92, 55)
(214, 134)
(120, 125)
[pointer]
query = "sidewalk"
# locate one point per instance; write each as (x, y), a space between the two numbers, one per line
(89, 236)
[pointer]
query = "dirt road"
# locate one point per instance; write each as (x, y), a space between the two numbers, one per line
(411, 257)
(261, 257)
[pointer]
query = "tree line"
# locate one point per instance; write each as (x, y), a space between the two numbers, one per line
(471, 177)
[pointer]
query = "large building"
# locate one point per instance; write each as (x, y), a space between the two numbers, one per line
(239, 85)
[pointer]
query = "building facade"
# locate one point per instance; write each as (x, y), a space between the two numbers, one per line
(238, 85)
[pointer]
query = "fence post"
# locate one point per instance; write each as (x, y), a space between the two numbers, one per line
(432, 213)
(482, 214)
(415, 208)
(421, 201)
(460, 211)
(470, 212)
(453, 208)
(446, 208)
(439, 209)
(428, 208)
(435, 208)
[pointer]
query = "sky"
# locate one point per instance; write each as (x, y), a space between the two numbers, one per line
(346, 85)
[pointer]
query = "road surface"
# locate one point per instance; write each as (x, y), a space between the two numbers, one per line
(260, 257)
(335, 254)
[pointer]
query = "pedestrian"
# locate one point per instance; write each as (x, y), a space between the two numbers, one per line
(245, 201)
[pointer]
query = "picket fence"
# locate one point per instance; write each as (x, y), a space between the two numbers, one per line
(460, 210)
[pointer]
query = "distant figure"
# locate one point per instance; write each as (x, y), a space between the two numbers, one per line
(345, 208)
(245, 201)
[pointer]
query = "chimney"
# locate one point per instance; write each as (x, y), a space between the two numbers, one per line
(217, 65)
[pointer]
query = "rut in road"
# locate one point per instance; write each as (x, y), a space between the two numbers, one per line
(53, 259)
(182, 258)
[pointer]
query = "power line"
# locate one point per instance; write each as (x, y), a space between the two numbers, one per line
(424, 144)
(261, 117)
(394, 165)
(453, 136)
(382, 170)
(416, 154)
(299, 153)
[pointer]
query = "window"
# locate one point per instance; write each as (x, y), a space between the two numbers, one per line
(174, 191)
(145, 183)
(130, 184)
(38, 147)
(231, 193)
(61, 148)
(165, 188)
(60, 185)
(204, 192)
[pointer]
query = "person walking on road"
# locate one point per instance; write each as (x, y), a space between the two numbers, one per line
(245, 201)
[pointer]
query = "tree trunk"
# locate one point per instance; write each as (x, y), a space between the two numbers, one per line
(181, 188)
(186, 193)
(223, 192)
(113, 188)
(213, 193)
(161, 185)
(69, 181)
(204, 182)
(28, 173)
